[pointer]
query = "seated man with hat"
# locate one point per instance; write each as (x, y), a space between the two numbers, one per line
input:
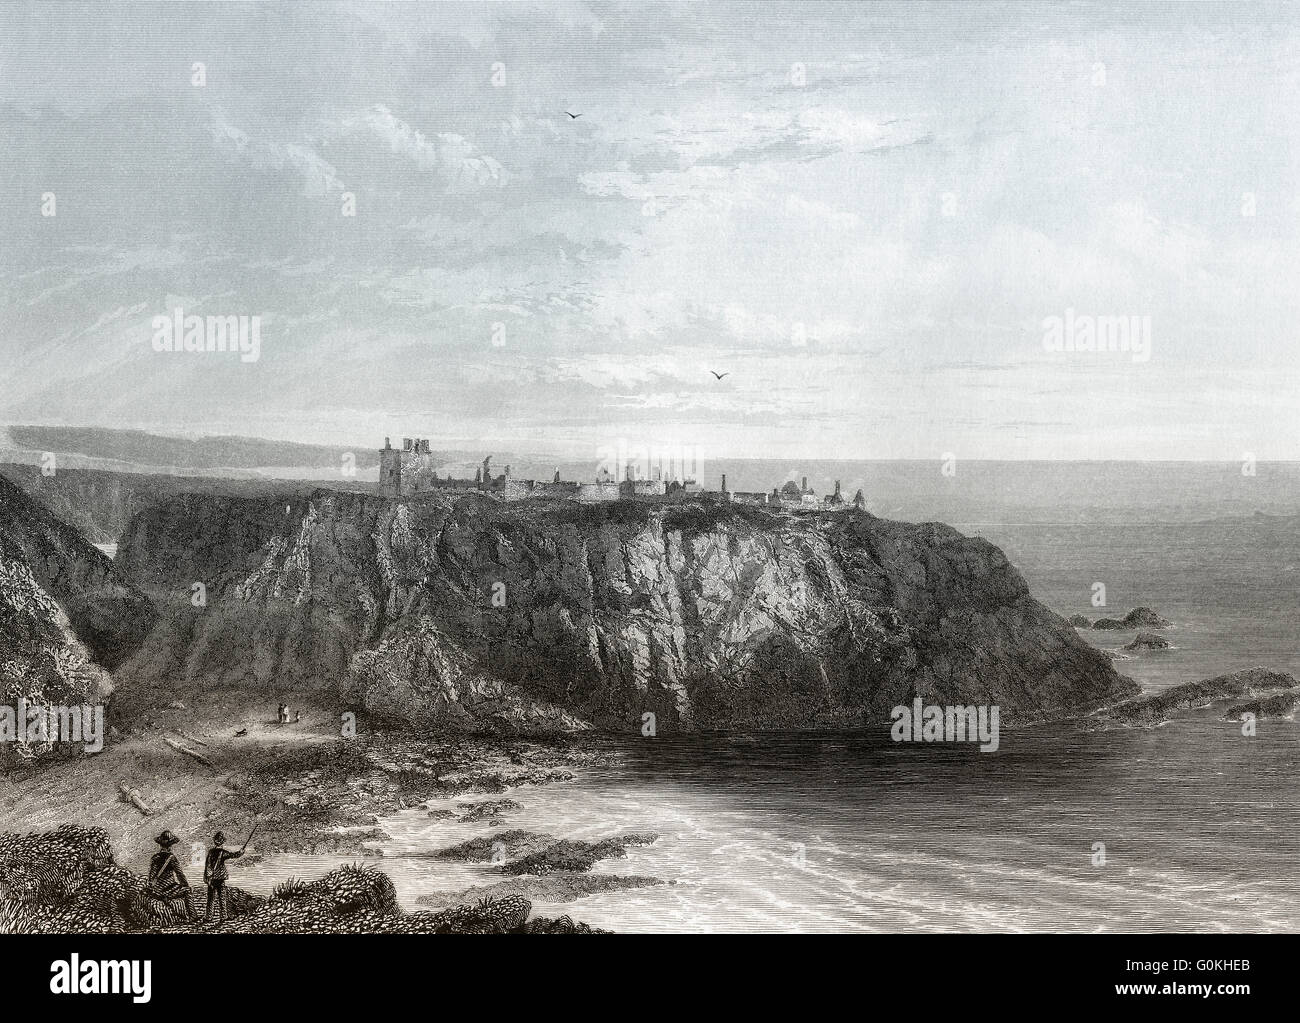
(166, 881)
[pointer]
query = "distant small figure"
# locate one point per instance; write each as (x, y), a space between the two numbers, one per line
(284, 714)
(297, 716)
(573, 116)
(242, 731)
(720, 375)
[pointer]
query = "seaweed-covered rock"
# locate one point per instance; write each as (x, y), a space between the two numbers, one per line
(1283, 705)
(1138, 618)
(503, 915)
(505, 845)
(575, 856)
(1148, 641)
(356, 888)
(357, 900)
(560, 925)
(1153, 709)
(491, 809)
(555, 887)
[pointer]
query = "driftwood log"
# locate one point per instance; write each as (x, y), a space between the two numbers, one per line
(189, 752)
(133, 797)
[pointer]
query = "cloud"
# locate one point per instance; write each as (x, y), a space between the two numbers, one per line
(317, 176)
(870, 255)
(842, 129)
(451, 157)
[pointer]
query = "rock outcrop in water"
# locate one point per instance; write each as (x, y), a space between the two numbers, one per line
(1283, 705)
(1148, 641)
(469, 613)
(1154, 709)
(1138, 618)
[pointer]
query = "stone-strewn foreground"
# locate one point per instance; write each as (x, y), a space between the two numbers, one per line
(67, 882)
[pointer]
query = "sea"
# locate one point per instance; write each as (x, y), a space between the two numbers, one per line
(1187, 827)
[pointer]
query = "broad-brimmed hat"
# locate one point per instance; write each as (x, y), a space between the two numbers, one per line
(219, 838)
(166, 839)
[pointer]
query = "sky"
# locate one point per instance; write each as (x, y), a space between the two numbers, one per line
(864, 215)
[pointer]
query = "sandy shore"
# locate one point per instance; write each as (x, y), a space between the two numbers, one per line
(305, 786)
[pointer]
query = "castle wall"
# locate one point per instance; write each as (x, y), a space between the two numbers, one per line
(643, 488)
(411, 470)
(417, 472)
(390, 472)
(517, 490)
(598, 492)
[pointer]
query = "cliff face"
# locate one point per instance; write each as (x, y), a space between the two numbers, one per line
(466, 612)
(101, 504)
(65, 614)
(108, 615)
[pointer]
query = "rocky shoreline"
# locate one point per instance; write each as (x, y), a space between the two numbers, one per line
(309, 794)
(67, 881)
(329, 797)
(321, 795)
(1154, 709)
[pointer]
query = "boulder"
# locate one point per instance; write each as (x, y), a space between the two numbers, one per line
(1138, 618)
(1148, 641)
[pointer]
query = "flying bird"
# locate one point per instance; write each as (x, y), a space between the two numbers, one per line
(721, 375)
(574, 116)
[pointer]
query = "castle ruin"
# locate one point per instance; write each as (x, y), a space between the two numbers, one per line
(410, 471)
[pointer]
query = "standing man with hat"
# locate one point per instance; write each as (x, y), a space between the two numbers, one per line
(166, 881)
(215, 875)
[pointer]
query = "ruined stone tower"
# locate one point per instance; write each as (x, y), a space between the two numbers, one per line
(390, 470)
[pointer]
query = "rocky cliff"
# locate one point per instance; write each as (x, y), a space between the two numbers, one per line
(547, 615)
(100, 504)
(104, 611)
(65, 613)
